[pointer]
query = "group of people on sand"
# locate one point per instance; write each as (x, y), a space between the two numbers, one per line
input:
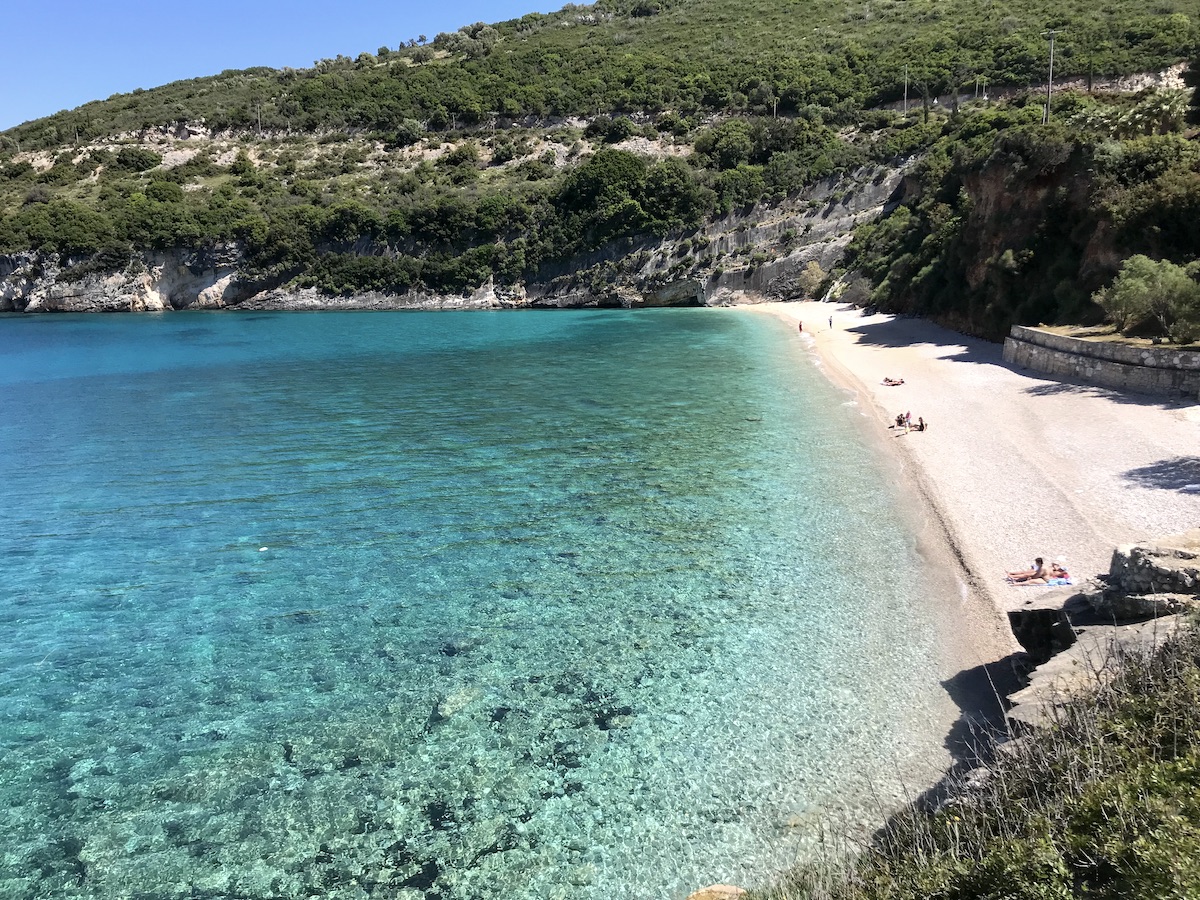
(904, 420)
(1039, 573)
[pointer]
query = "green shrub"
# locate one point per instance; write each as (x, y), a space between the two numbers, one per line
(60, 174)
(15, 170)
(619, 129)
(241, 164)
(465, 154)
(136, 159)
(164, 192)
(65, 227)
(1154, 294)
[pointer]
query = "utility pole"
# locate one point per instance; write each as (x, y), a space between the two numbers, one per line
(906, 90)
(1051, 33)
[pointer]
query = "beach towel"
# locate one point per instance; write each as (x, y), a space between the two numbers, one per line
(1051, 582)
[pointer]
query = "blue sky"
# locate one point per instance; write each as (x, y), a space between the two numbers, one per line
(59, 54)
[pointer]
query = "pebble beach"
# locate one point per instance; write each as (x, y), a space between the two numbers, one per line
(1014, 464)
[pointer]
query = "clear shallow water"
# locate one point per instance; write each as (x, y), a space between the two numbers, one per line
(550, 606)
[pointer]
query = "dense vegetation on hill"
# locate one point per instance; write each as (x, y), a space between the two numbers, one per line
(440, 164)
(688, 57)
(1015, 221)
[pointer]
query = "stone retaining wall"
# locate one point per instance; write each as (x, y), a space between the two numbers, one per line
(1168, 565)
(1143, 370)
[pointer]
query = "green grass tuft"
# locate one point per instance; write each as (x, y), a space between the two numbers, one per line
(1104, 805)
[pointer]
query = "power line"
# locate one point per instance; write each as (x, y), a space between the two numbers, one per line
(1051, 34)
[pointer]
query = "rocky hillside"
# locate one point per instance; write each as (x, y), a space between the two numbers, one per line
(783, 250)
(580, 159)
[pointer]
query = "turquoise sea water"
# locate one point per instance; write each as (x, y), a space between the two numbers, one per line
(523, 605)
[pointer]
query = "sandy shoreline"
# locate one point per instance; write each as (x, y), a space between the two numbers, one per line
(1014, 465)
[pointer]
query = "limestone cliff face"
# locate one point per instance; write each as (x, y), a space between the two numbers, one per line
(818, 233)
(1023, 241)
(151, 282)
(751, 254)
(1009, 211)
(746, 256)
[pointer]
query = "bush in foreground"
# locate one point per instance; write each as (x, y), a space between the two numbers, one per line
(1106, 804)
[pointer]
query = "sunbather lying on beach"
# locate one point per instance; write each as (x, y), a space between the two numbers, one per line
(1036, 575)
(892, 382)
(1057, 576)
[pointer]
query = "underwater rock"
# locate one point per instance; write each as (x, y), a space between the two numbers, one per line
(717, 892)
(457, 701)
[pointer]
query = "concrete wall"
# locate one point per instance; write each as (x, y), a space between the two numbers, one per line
(1143, 370)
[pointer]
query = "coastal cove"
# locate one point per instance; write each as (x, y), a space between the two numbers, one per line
(543, 604)
(804, 503)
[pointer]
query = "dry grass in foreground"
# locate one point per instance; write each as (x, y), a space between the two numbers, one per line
(1106, 804)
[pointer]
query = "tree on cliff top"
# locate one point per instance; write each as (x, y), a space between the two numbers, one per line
(1153, 296)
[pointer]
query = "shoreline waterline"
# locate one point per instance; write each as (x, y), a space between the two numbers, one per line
(969, 532)
(976, 636)
(990, 639)
(1014, 465)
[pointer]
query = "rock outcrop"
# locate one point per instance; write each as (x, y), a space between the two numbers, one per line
(1094, 656)
(1149, 579)
(1075, 637)
(152, 282)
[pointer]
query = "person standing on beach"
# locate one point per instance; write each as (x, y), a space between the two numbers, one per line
(801, 324)
(831, 321)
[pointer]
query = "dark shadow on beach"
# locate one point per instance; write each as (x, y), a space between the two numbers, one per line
(909, 331)
(1085, 389)
(1179, 473)
(980, 693)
